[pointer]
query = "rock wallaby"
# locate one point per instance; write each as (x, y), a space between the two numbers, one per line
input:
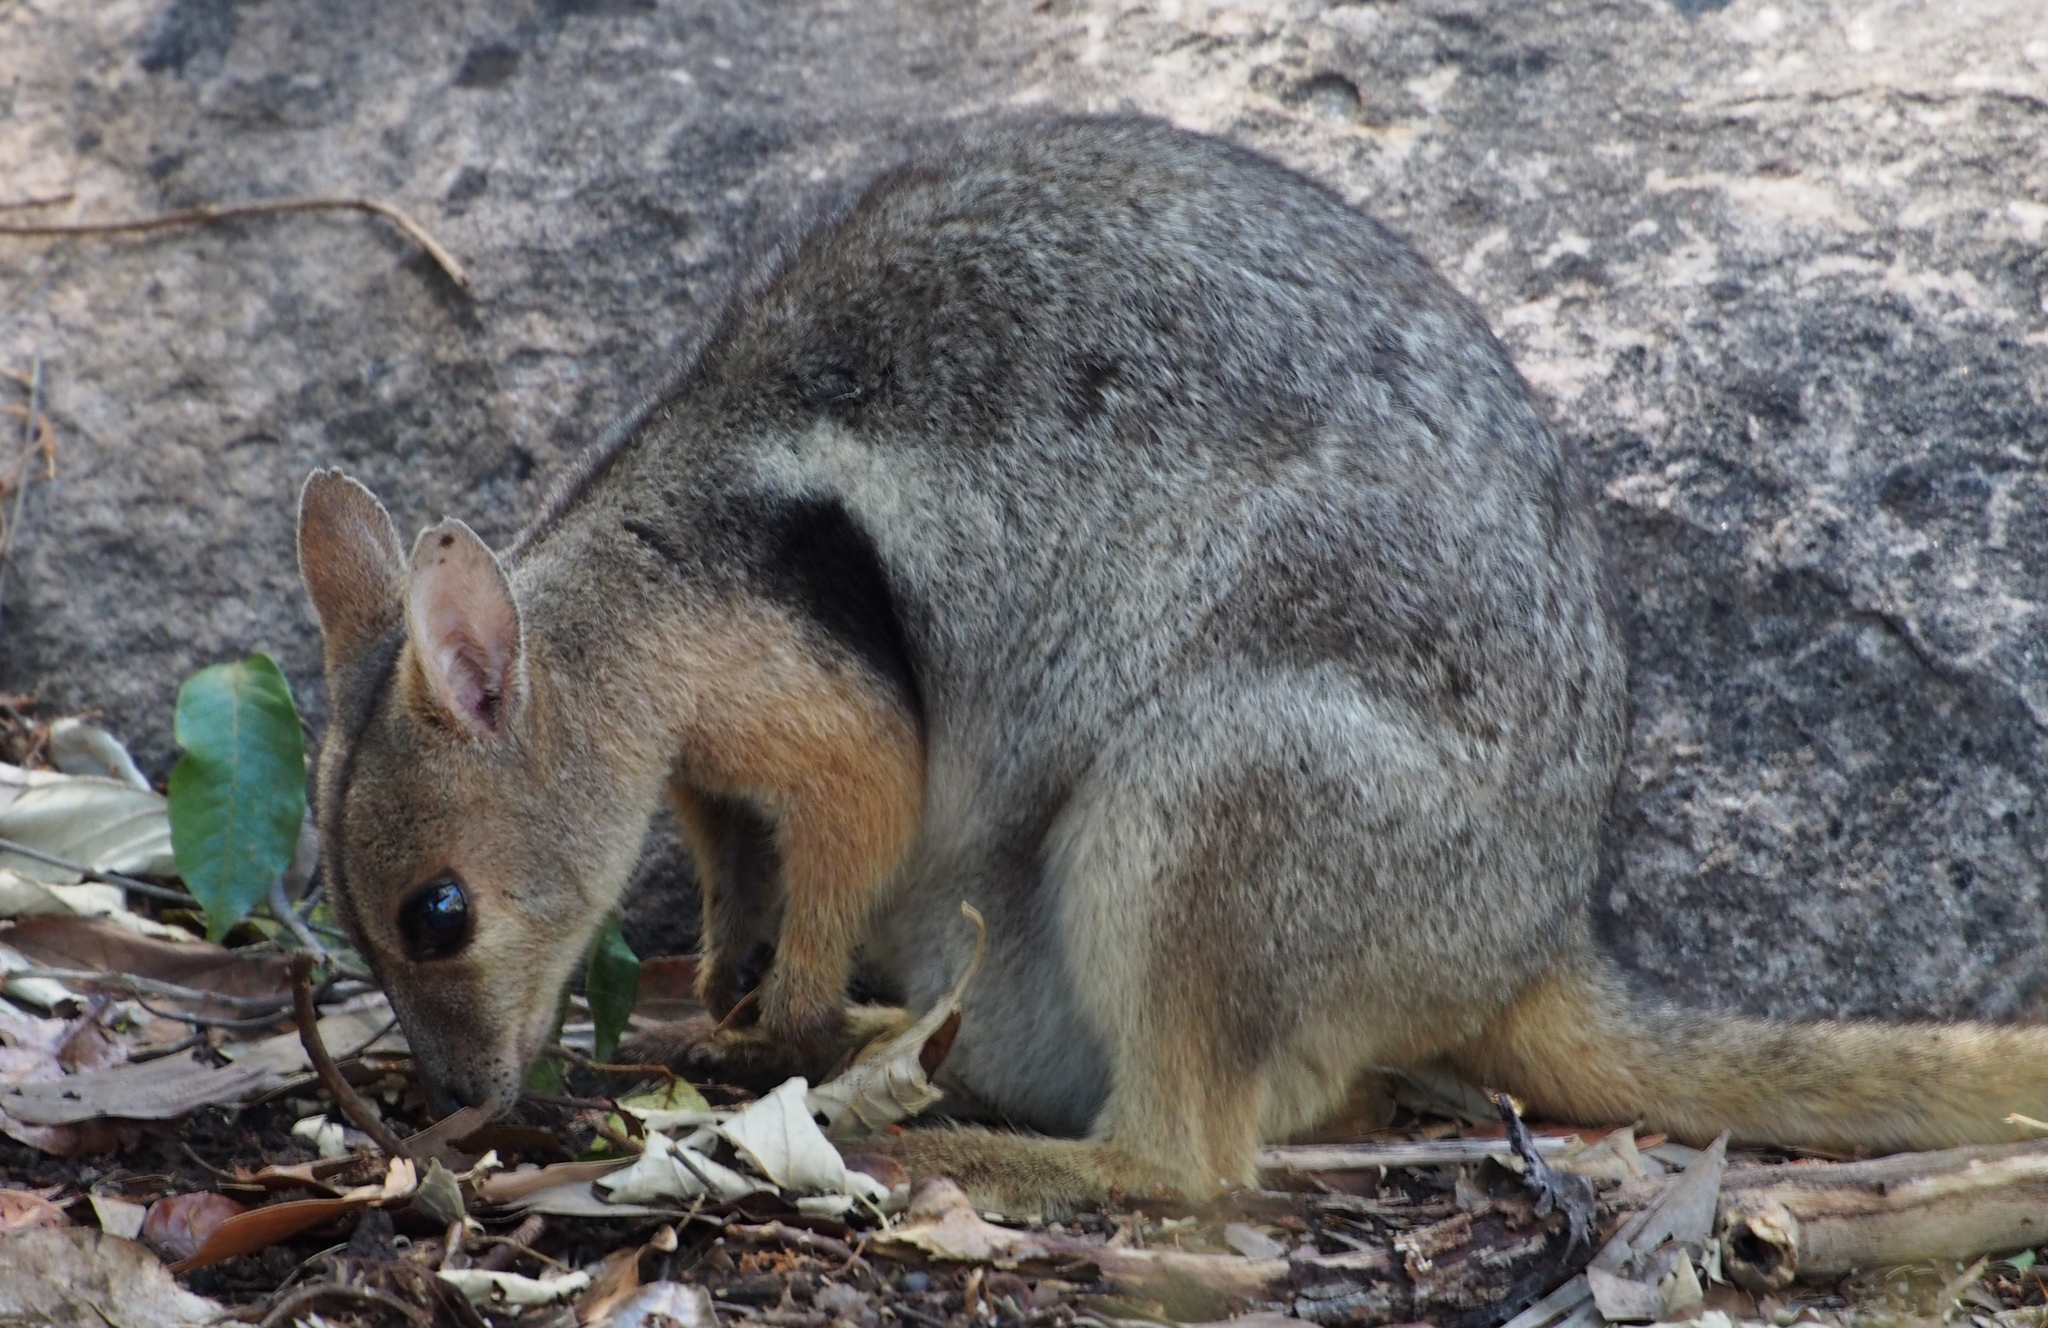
(1106, 526)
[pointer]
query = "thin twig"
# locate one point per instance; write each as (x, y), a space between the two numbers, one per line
(498, 1258)
(171, 1049)
(344, 1094)
(374, 1039)
(776, 1233)
(281, 909)
(618, 1139)
(570, 1103)
(583, 1062)
(129, 984)
(516, 1247)
(208, 213)
(740, 1007)
(208, 1021)
(47, 200)
(288, 1309)
(222, 1175)
(162, 892)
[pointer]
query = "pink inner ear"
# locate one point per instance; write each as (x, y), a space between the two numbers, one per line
(465, 628)
(470, 684)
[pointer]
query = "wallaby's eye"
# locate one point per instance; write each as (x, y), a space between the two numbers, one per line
(434, 920)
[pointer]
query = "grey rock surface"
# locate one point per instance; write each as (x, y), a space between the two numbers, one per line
(1776, 269)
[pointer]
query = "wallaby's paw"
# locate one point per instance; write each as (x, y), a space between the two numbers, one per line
(1023, 1175)
(699, 1049)
(755, 1055)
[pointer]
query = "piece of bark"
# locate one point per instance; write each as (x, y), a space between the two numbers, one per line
(1782, 1223)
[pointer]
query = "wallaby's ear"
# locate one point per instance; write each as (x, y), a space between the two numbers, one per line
(465, 629)
(351, 562)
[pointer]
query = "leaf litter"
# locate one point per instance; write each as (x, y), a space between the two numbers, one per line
(172, 1156)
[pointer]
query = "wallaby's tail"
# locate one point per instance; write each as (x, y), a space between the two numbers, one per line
(1579, 1048)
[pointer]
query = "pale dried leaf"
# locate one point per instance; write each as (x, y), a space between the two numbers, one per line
(118, 1217)
(76, 1275)
(942, 1224)
(662, 1305)
(326, 1136)
(776, 1134)
(43, 993)
(890, 1083)
(1614, 1157)
(79, 748)
(657, 1174)
(1251, 1242)
(440, 1195)
(1680, 1292)
(401, 1181)
(1683, 1212)
(666, 1109)
(511, 1187)
(576, 1199)
(488, 1288)
(102, 823)
(1623, 1300)
(21, 897)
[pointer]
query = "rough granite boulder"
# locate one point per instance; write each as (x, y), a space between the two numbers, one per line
(1776, 269)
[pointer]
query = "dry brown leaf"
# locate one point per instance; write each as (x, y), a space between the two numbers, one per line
(260, 1228)
(155, 1090)
(941, 1224)
(617, 1278)
(177, 1225)
(297, 1176)
(62, 1276)
(509, 1187)
(94, 943)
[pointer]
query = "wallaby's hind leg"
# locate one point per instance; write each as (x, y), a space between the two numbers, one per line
(1175, 1121)
(1264, 892)
(1154, 894)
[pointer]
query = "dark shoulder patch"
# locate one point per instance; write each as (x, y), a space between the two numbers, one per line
(821, 560)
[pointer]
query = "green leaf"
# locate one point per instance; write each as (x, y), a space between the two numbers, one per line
(238, 794)
(545, 1075)
(611, 983)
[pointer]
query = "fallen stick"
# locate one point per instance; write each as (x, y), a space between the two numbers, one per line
(1370, 1157)
(208, 213)
(1782, 1223)
(344, 1094)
